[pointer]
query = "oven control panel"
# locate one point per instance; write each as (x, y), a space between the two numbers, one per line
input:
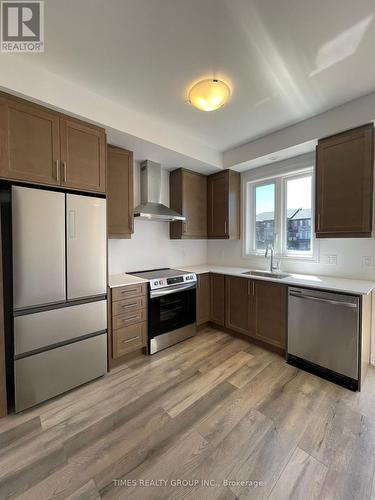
(173, 281)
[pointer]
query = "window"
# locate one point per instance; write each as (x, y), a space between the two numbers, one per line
(298, 214)
(265, 215)
(279, 212)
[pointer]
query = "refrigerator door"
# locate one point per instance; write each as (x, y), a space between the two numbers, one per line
(38, 227)
(86, 246)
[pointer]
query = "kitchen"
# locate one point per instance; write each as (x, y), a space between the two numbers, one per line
(188, 261)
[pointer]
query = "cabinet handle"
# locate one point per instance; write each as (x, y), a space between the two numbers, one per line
(64, 169)
(57, 170)
(129, 340)
(253, 287)
(225, 227)
(129, 305)
(132, 317)
(318, 221)
(248, 288)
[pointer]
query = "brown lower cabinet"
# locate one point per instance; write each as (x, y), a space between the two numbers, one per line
(237, 304)
(270, 312)
(254, 308)
(128, 320)
(217, 310)
(203, 298)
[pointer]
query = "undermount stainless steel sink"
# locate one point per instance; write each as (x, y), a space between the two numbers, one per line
(267, 274)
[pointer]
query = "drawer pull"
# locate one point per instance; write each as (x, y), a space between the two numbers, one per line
(128, 290)
(129, 340)
(129, 305)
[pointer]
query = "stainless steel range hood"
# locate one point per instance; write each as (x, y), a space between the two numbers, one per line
(151, 207)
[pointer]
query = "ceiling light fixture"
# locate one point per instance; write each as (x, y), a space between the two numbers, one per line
(209, 94)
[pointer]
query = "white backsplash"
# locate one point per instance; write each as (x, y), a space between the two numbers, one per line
(349, 253)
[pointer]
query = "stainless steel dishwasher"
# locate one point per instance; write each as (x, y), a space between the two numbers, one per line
(323, 334)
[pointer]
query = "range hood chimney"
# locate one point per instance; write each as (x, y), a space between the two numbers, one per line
(151, 207)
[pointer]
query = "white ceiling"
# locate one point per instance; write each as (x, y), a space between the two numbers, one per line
(285, 59)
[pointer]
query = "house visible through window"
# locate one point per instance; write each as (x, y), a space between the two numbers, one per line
(265, 215)
(280, 213)
(298, 214)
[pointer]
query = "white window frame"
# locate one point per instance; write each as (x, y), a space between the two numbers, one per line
(279, 174)
(285, 253)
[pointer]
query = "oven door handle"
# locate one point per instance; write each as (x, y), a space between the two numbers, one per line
(172, 289)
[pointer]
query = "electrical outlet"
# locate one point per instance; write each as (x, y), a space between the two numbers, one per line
(331, 259)
(367, 261)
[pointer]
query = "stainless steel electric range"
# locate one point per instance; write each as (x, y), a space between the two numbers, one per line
(171, 306)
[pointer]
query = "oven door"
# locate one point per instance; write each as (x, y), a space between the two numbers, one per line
(171, 308)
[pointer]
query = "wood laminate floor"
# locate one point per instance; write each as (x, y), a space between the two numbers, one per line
(207, 416)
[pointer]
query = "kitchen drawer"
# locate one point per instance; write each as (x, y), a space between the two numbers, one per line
(130, 291)
(42, 329)
(129, 318)
(47, 374)
(127, 305)
(129, 339)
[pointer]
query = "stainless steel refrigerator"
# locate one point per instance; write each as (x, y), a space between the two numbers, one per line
(59, 292)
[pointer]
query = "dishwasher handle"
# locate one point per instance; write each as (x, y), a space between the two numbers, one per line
(326, 301)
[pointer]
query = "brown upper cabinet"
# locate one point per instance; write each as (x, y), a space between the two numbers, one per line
(120, 203)
(223, 208)
(41, 146)
(344, 184)
(188, 196)
(83, 155)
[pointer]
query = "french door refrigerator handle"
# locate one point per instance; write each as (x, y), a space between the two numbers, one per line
(72, 227)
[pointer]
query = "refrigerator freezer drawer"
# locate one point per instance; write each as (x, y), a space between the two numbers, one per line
(38, 225)
(45, 375)
(42, 329)
(86, 246)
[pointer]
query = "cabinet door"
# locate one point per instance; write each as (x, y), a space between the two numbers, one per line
(237, 304)
(83, 155)
(218, 205)
(29, 143)
(120, 202)
(188, 195)
(194, 204)
(270, 312)
(217, 283)
(344, 184)
(203, 298)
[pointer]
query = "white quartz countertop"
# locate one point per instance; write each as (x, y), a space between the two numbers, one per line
(343, 285)
(116, 280)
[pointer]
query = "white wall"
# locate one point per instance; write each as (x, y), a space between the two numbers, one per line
(150, 246)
